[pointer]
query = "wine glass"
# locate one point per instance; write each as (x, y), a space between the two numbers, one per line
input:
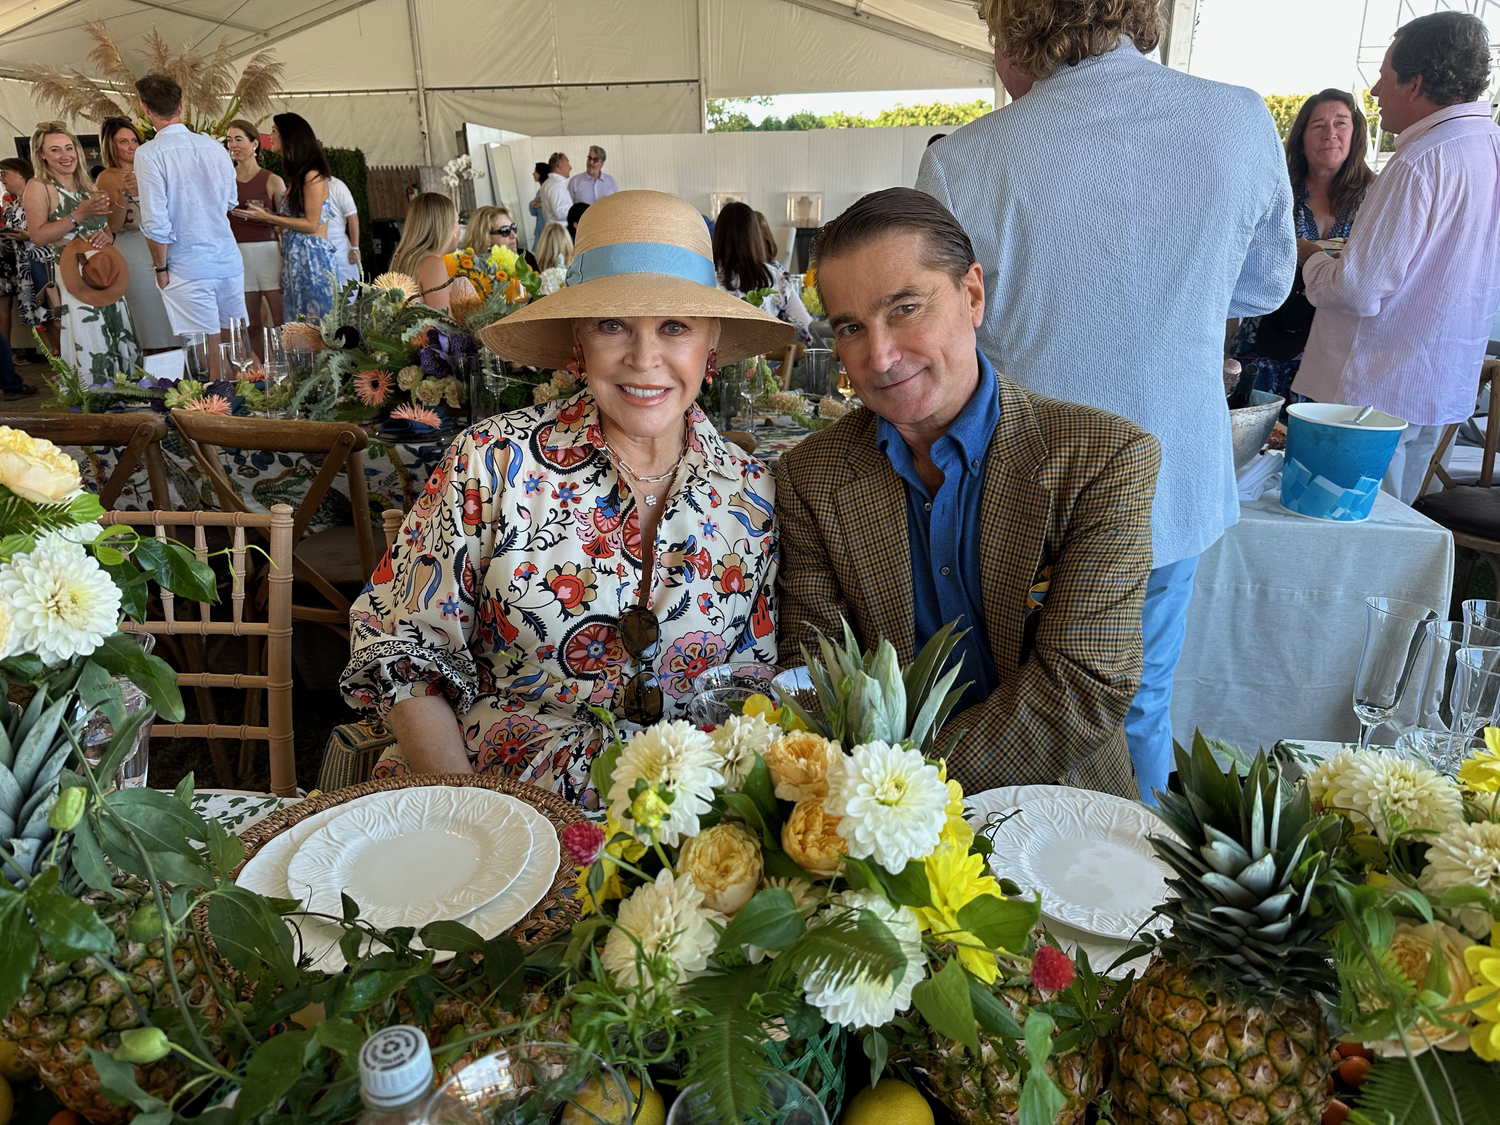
(241, 353)
(271, 347)
(845, 385)
(719, 689)
(277, 375)
(1485, 614)
(785, 1101)
(194, 347)
(533, 1082)
(1393, 637)
(1430, 707)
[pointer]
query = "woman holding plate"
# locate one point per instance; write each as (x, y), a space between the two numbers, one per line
(598, 550)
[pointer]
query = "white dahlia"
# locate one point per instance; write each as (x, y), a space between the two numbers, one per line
(61, 603)
(892, 804)
(553, 279)
(863, 1001)
(672, 758)
(1464, 855)
(737, 742)
(675, 933)
(1329, 777)
(7, 630)
(1378, 790)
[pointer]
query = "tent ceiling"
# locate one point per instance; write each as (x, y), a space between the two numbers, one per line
(359, 68)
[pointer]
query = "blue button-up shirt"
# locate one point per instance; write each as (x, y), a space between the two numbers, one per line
(943, 531)
(187, 189)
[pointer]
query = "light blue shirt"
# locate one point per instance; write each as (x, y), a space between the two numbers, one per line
(1121, 211)
(943, 532)
(187, 189)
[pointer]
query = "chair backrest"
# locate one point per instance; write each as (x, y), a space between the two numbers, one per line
(789, 360)
(137, 436)
(276, 525)
(341, 443)
(1488, 373)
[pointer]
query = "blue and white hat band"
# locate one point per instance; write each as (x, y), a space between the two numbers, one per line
(642, 257)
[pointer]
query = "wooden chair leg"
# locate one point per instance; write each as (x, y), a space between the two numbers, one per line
(1463, 571)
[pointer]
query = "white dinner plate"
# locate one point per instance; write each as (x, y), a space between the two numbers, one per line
(418, 856)
(266, 874)
(1086, 853)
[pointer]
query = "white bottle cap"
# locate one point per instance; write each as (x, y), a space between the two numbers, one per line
(394, 1067)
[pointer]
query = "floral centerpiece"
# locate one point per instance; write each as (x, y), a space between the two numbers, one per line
(766, 880)
(1418, 951)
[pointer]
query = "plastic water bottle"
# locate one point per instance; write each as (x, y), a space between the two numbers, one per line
(395, 1081)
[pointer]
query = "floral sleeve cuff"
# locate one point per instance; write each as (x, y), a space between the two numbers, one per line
(386, 672)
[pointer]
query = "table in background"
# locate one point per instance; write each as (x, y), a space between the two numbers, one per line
(1278, 618)
(395, 473)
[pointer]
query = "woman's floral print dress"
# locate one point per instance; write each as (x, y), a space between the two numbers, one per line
(507, 579)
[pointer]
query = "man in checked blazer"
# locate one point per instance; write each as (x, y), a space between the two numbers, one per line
(954, 494)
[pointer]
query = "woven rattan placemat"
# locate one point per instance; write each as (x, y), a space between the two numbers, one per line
(556, 911)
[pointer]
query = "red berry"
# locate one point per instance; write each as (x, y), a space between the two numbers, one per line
(1051, 969)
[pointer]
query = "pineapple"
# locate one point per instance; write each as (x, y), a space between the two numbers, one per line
(858, 697)
(1224, 1025)
(68, 1008)
(457, 1017)
(989, 1093)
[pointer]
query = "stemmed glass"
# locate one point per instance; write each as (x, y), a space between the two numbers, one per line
(194, 347)
(787, 1102)
(240, 352)
(1394, 632)
(532, 1082)
(1485, 614)
(1429, 706)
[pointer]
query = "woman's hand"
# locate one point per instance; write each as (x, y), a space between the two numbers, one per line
(1305, 250)
(99, 239)
(129, 185)
(93, 206)
(16, 235)
(253, 213)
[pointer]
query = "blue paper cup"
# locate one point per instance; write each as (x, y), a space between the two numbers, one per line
(1333, 468)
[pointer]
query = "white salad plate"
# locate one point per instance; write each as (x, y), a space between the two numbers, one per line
(418, 856)
(266, 874)
(1085, 852)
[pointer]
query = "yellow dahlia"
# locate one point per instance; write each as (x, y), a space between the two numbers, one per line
(956, 877)
(1483, 962)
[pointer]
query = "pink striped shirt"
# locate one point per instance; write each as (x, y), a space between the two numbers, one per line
(1404, 312)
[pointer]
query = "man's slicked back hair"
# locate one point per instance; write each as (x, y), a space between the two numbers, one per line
(945, 245)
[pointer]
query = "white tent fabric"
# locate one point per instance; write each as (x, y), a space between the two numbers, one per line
(368, 72)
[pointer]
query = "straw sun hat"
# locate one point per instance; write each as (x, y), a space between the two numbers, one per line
(639, 253)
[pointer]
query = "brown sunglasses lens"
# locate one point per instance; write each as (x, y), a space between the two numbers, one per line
(643, 699)
(640, 632)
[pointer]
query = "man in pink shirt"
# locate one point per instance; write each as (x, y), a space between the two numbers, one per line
(1404, 311)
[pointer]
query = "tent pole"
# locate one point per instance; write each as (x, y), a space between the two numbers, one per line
(704, 49)
(416, 57)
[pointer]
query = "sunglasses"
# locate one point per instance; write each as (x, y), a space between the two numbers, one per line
(640, 634)
(504, 232)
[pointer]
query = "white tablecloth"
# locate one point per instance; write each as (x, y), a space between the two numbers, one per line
(1277, 619)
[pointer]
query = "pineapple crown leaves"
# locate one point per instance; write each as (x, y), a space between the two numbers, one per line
(867, 696)
(1253, 867)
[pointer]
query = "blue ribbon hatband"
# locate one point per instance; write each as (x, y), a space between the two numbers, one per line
(641, 257)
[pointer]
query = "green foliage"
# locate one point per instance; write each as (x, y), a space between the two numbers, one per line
(1397, 1091)
(725, 117)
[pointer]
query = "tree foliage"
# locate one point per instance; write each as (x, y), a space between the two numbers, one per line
(727, 116)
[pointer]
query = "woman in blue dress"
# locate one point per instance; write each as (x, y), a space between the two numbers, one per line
(307, 257)
(1325, 157)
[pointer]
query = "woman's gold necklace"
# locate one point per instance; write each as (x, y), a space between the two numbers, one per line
(650, 499)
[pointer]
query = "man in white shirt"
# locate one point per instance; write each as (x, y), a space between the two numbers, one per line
(595, 183)
(344, 234)
(556, 198)
(1404, 311)
(187, 190)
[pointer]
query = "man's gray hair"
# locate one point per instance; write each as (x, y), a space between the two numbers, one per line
(595, 150)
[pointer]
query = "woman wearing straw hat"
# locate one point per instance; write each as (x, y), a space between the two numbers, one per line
(599, 550)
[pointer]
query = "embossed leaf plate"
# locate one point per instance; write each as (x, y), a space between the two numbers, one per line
(266, 874)
(418, 856)
(1088, 856)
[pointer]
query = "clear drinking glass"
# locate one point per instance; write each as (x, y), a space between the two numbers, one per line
(1476, 690)
(194, 347)
(1485, 614)
(533, 1082)
(1427, 703)
(227, 368)
(1394, 632)
(271, 347)
(241, 354)
(786, 1102)
(277, 376)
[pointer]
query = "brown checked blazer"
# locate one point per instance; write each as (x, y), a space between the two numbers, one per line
(1067, 497)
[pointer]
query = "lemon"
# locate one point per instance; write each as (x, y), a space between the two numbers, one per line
(889, 1102)
(12, 1065)
(592, 1106)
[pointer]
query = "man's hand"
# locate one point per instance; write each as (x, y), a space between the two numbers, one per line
(162, 279)
(1305, 250)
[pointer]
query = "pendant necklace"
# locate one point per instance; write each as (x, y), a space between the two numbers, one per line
(620, 463)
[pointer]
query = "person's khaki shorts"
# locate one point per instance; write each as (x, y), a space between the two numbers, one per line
(262, 266)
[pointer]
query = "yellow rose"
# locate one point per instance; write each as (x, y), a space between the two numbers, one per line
(1411, 952)
(811, 837)
(799, 763)
(725, 864)
(35, 469)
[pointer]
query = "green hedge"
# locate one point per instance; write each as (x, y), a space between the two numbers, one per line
(349, 165)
